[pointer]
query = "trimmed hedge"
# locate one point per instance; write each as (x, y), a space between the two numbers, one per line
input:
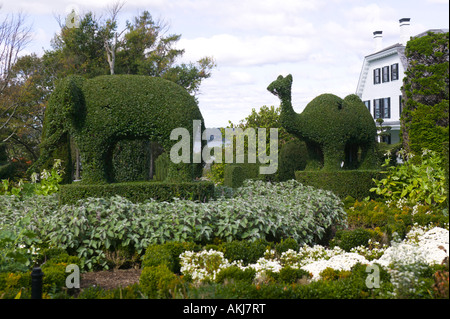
(333, 128)
(138, 191)
(293, 157)
(355, 183)
(98, 113)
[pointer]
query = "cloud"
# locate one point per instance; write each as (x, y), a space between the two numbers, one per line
(235, 50)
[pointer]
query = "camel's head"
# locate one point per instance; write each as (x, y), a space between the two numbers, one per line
(281, 87)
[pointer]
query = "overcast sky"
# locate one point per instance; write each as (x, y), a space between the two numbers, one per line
(322, 43)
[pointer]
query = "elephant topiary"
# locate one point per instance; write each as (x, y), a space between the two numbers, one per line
(339, 133)
(95, 114)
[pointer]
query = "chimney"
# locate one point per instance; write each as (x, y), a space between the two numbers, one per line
(378, 40)
(404, 31)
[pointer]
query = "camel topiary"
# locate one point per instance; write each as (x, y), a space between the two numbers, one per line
(339, 133)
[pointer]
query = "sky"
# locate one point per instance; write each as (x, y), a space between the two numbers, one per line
(322, 43)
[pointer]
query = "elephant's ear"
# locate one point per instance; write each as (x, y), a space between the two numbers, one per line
(71, 100)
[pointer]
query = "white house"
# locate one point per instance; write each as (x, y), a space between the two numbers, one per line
(381, 79)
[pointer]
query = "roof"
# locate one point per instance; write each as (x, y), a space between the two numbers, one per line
(397, 48)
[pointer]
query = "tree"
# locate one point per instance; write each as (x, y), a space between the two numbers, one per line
(425, 117)
(14, 36)
(143, 47)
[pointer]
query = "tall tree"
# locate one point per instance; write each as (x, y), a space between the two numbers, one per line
(425, 91)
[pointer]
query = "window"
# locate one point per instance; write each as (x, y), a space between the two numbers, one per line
(394, 72)
(382, 108)
(376, 76)
(387, 108)
(386, 138)
(367, 103)
(385, 74)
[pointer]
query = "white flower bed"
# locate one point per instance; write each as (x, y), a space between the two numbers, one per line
(421, 245)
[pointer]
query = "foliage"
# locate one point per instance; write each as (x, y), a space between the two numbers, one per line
(166, 254)
(424, 121)
(49, 181)
(158, 281)
(142, 48)
(293, 157)
(420, 181)
(18, 245)
(162, 166)
(333, 129)
(266, 117)
(258, 210)
(386, 219)
(348, 239)
(237, 274)
(234, 176)
(355, 183)
(138, 191)
(114, 108)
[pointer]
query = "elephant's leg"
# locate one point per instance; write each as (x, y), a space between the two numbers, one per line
(333, 157)
(369, 157)
(94, 164)
(315, 157)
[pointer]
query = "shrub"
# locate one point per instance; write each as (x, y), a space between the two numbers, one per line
(286, 244)
(162, 166)
(233, 176)
(348, 239)
(166, 254)
(246, 251)
(237, 274)
(292, 158)
(418, 181)
(158, 281)
(355, 183)
(138, 191)
(393, 218)
(288, 275)
(99, 112)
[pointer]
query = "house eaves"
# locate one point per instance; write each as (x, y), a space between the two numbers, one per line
(391, 50)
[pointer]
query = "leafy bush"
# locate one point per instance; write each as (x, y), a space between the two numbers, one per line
(138, 191)
(292, 158)
(99, 112)
(388, 219)
(237, 274)
(258, 210)
(246, 251)
(418, 181)
(348, 239)
(233, 176)
(288, 275)
(166, 254)
(158, 281)
(355, 183)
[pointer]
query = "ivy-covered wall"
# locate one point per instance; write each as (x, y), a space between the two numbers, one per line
(99, 113)
(425, 116)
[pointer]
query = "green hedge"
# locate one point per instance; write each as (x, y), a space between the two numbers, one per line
(138, 191)
(355, 183)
